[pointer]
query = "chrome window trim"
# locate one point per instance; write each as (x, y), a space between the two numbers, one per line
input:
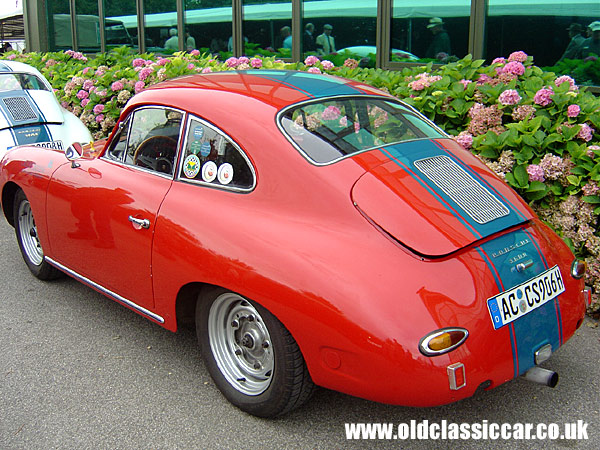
(121, 162)
(107, 292)
(411, 108)
(204, 122)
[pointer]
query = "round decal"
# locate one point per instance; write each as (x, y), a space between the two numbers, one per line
(198, 132)
(195, 147)
(209, 171)
(523, 306)
(225, 173)
(205, 149)
(191, 166)
(519, 294)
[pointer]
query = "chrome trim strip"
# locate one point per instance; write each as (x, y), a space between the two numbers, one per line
(107, 292)
(474, 198)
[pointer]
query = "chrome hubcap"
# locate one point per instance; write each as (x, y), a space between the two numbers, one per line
(28, 234)
(240, 343)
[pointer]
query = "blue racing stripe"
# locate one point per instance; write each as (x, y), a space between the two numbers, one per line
(479, 178)
(427, 185)
(411, 151)
(539, 326)
(312, 85)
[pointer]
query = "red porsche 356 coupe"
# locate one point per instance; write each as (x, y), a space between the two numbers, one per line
(319, 231)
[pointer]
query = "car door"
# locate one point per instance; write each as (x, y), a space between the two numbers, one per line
(102, 213)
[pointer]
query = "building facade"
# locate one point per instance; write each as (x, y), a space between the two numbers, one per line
(387, 33)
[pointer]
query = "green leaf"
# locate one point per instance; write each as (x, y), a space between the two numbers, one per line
(572, 179)
(521, 176)
(537, 186)
(593, 199)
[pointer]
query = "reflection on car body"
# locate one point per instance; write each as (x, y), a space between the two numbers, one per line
(318, 232)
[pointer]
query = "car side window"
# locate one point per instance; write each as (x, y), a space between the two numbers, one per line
(210, 157)
(152, 139)
(119, 144)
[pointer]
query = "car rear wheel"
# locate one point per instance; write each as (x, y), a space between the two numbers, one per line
(253, 359)
(29, 243)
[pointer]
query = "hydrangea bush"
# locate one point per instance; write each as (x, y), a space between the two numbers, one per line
(537, 131)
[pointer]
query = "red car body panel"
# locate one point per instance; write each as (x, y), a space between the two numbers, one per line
(357, 259)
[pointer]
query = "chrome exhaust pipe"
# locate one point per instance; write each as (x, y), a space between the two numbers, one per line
(542, 376)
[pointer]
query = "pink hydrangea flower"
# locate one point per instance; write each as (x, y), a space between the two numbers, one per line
(311, 60)
(543, 97)
(351, 63)
(344, 122)
(327, 65)
(195, 52)
(465, 139)
(232, 62)
(418, 85)
(509, 97)
(84, 102)
(11, 57)
(536, 173)
(484, 79)
(568, 79)
(85, 71)
(207, 70)
(99, 118)
(314, 70)
(465, 83)
(190, 66)
(145, 73)
(138, 62)
(331, 113)
(139, 86)
(98, 109)
(116, 86)
(88, 84)
(256, 63)
(518, 57)
(586, 132)
(102, 93)
(82, 94)
(499, 61)
(573, 110)
(243, 60)
(163, 61)
(514, 67)
(591, 149)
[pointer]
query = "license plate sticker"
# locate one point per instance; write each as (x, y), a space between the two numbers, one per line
(524, 298)
(56, 145)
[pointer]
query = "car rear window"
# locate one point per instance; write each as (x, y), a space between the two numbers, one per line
(330, 129)
(20, 81)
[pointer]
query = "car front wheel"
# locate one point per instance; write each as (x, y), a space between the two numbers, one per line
(253, 359)
(29, 243)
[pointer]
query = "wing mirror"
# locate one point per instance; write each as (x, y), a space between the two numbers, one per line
(73, 153)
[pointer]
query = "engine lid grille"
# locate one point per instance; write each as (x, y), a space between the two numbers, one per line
(19, 108)
(477, 201)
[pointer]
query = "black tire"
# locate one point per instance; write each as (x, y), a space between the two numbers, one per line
(267, 377)
(30, 246)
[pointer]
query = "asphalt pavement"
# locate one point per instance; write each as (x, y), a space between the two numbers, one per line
(79, 371)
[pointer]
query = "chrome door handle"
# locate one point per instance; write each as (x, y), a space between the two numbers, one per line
(143, 223)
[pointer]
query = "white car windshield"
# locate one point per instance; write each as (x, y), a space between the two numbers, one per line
(21, 81)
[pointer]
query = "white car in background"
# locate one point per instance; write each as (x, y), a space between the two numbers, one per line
(30, 113)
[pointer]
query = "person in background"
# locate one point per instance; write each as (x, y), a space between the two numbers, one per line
(441, 40)
(286, 35)
(591, 45)
(173, 42)
(325, 42)
(190, 42)
(575, 30)
(309, 38)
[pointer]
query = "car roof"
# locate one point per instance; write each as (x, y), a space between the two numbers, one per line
(279, 88)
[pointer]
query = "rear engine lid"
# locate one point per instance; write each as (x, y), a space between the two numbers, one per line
(436, 198)
(20, 108)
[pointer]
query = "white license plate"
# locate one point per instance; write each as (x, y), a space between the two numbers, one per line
(56, 145)
(524, 298)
